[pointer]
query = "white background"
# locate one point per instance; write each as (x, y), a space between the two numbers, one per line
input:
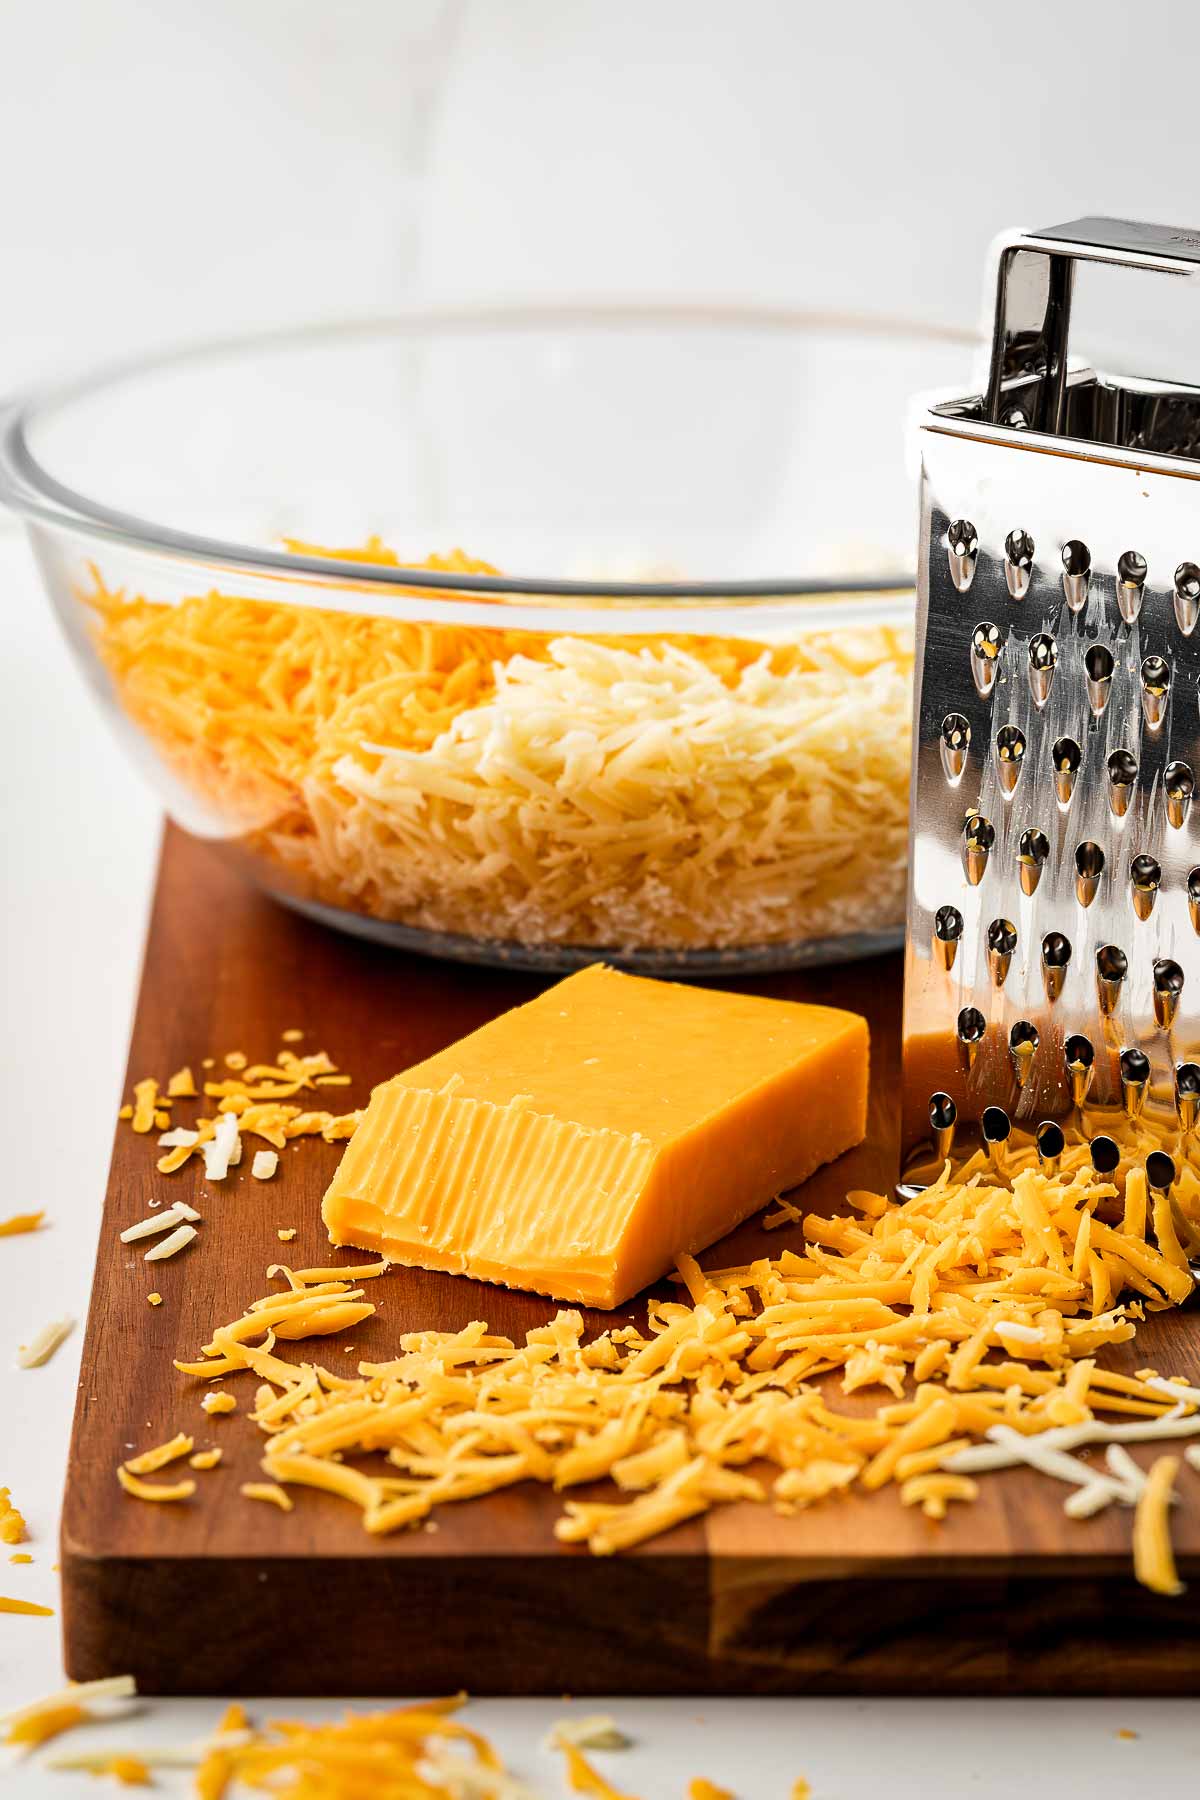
(177, 168)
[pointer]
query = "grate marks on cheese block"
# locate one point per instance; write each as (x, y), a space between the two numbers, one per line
(577, 1146)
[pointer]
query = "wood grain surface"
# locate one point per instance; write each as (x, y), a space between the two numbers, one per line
(223, 1595)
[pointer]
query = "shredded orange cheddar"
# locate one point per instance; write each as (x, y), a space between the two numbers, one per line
(25, 1606)
(39, 1726)
(147, 1490)
(586, 1779)
(19, 1223)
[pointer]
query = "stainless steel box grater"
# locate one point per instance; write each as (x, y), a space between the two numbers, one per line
(1053, 955)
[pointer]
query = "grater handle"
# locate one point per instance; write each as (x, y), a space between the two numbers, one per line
(1027, 379)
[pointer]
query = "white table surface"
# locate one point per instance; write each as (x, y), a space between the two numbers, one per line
(79, 836)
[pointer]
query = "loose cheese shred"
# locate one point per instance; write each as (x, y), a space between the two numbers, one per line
(146, 1490)
(154, 1299)
(286, 1233)
(47, 1341)
(12, 1525)
(204, 1459)
(20, 1557)
(269, 1491)
(1153, 1561)
(159, 1222)
(182, 1085)
(145, 1097)
(264, 1165)
(933, 1492)
(178, 1240)
(161, 1455)
(219, 1403)
(39, 1727)
(584, 1779)
(594, 1731)
(700, 1788)
(25, 1606)
(19, 1223)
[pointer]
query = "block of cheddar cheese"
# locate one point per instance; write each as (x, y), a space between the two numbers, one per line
(575, 1146)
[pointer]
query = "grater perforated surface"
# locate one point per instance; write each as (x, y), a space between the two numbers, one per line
(1053, 952)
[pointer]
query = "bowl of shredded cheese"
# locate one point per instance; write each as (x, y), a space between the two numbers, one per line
(656, 711)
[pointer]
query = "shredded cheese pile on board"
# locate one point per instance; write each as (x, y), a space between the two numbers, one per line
(976, 1312)
(684, 791)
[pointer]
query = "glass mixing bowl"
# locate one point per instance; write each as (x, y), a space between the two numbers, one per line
(666, 721)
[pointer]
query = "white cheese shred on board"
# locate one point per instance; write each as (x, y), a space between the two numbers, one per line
(910, 1299)
(224, 1149)
(157, 1223)
(1153, 1559)
(179, 1239)
(46, 1342)
(264, 1165)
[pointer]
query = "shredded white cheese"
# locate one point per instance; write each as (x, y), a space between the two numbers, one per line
(1016, 1333)
(165, 1221)
(178, 1240)
(172, 1140)
(264, 1165)
(32, 1356)
(110, 1687)
(224, 1149)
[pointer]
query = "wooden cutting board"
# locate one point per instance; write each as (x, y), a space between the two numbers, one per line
(223, 1595)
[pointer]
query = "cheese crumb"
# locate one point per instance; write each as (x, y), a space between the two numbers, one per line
(292, 1035)
(126, 1112)
(12, 1525)
(182, 1085)
(286, 1234)
(145, 1095)
(204, 1459)
(20, 1556)
(219, 1402)
(154, 1299)
(236, 1059)
(264, 1165)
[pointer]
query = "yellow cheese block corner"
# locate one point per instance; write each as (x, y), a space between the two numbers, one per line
(575, 1146)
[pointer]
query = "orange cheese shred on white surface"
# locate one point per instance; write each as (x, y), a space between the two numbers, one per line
(745, 1372)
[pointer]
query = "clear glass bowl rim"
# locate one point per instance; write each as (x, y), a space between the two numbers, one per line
(29, 489)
